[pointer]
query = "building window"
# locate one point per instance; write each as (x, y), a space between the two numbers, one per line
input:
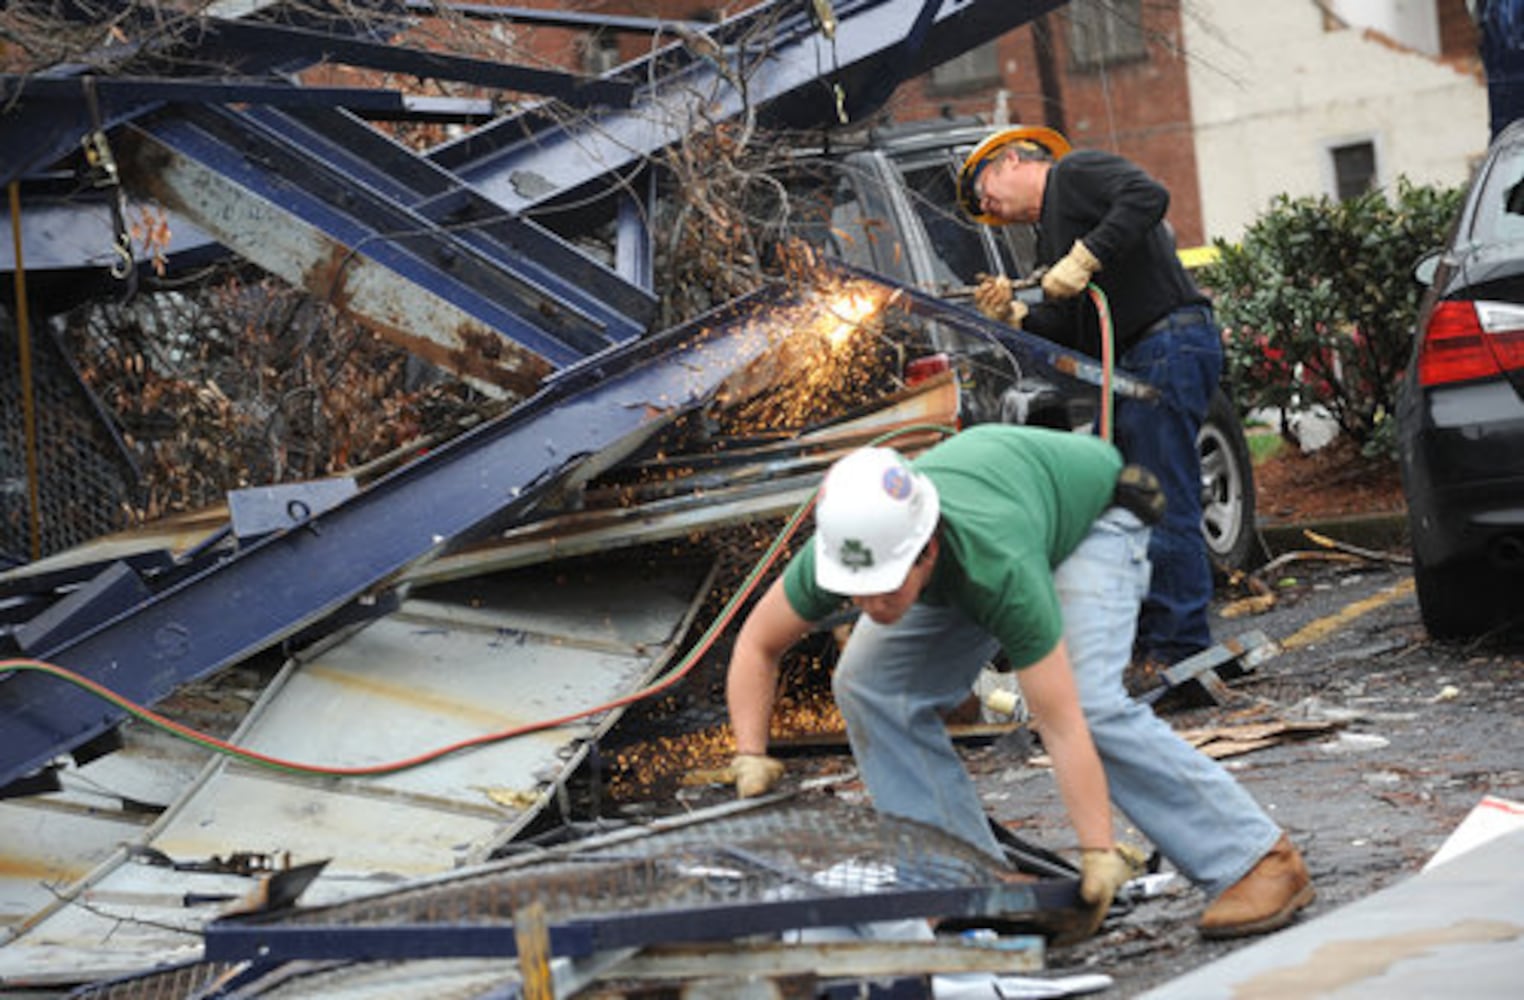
(1105, 32)
(1354, 169)
(978, 67)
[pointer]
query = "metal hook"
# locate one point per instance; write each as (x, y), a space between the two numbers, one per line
(123, 265)
(104, 174)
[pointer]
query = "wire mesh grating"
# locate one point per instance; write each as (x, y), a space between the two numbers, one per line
(83, 476)
(173, 983)
(798, 849)
(732, 873)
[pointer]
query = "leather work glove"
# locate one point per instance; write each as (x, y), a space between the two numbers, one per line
(755, 774)
(1071, 274)
(993, 298)
(1102, 873)
(1139, 491)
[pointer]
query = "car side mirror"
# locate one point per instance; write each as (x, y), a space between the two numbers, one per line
(1423, 271)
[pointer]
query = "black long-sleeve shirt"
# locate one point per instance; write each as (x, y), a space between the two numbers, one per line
(1117, 210)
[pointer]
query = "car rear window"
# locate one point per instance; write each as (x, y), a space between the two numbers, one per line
(958, 251)
(1499, 214)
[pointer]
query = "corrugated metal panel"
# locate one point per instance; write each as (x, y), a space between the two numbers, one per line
(483, 655)
(52, 843)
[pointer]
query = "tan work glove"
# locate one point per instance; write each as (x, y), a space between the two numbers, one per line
(755, 774)
(993, 298)
(1071, 274)
(1102, 873)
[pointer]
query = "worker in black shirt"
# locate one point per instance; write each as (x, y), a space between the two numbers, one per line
(1100, 219)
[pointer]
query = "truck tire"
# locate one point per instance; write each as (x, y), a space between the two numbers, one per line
(1458, 602)
(1227, 487)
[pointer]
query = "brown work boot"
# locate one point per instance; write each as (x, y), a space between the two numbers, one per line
(1142, 675)
(1264, 900)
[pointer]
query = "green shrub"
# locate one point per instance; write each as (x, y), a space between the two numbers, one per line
(1318, 303)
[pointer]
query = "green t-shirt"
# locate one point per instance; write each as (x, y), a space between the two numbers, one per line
(1015, 501)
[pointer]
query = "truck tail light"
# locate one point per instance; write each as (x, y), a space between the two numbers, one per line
(922, 369)
(1465, 341)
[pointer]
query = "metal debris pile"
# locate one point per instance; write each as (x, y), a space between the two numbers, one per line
(834, 357)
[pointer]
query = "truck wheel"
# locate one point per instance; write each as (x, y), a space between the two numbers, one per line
(1227, 487)
(1457, 602)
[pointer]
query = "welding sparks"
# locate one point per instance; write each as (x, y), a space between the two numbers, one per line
(831, 356)
(848, 310)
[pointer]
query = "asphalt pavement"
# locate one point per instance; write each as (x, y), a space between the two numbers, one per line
(1392, 741)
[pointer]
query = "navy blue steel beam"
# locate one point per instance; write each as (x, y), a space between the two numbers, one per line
(38, 133)
(84, 11)
(319, 46)
(634, 256)
(364, 157)
(773, 57)
(237, 940)
(470, 274)
(360, 157)
(1033, 354)
(275, 587)
(119, 96)
(583, 20)
(788, 64)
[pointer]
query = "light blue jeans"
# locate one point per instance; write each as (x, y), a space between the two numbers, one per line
(893, 682)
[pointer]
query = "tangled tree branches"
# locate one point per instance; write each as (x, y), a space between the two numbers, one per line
(711, 252)
(35, 36)
(234, 383)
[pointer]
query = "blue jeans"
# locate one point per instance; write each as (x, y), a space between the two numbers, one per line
(894, 681)
(1184, 362)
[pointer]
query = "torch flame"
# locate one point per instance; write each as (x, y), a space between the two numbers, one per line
(846, 310)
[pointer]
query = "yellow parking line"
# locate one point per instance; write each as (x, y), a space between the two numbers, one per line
(1320, 629)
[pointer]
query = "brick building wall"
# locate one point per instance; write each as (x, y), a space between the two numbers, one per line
(1138, 104)
(1139, 108)
(1458, 37)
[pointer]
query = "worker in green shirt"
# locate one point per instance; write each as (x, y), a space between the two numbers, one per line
(1015, 539)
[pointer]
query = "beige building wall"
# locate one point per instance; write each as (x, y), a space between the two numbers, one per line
(1273, 90)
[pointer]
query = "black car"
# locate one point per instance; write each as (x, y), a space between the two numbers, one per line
(1461, 414)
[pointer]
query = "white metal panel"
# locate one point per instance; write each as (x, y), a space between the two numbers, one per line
(134, 917)
(49, 842)
(47, 848)
(479, 656)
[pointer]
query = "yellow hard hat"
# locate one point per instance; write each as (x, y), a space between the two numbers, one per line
(984, 154)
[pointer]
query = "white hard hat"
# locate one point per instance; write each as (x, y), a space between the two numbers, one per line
(874, 515)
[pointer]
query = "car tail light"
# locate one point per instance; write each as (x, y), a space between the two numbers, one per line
(1471, 340)
(922, 369)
